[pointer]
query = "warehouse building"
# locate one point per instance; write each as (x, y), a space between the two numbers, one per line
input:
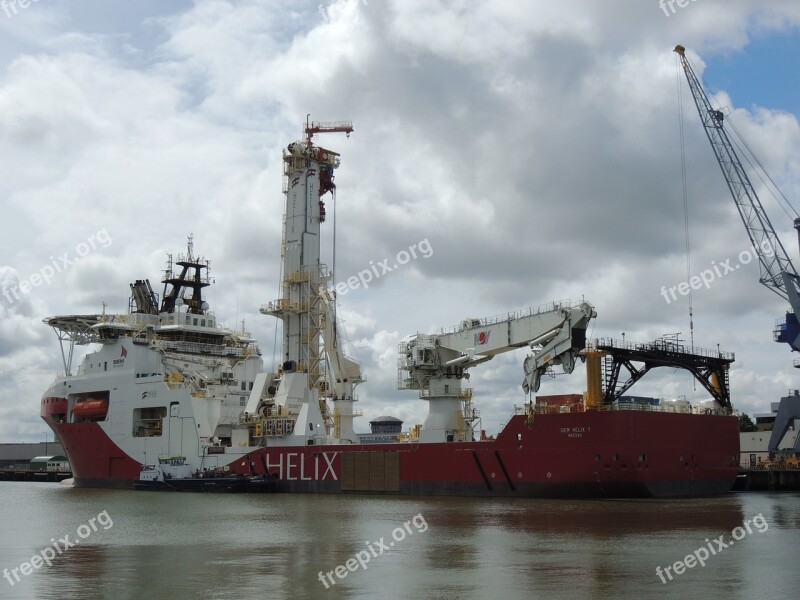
(19, 455)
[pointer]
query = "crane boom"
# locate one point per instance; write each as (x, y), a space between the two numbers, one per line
(435, 364)
(776, 270)
(315, 127)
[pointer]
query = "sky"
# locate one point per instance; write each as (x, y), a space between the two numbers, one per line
(534, 147)
(762, 73)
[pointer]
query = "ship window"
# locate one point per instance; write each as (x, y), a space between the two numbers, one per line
(194, 321)
(242, 401)
(311, 426)
(519, 437)
(147, 421)
(597, 458)
(615, 457)
(251, 385)
(244, 386)
(203, 322)
(643, 457)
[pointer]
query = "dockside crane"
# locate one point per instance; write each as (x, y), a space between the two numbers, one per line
(775, 267)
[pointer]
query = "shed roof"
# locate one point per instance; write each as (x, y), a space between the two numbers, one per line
(55, 457)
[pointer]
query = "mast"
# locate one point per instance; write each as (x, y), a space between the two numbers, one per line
(191, 277)
(308, 175)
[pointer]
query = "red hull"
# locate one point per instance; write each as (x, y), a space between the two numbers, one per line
(591, 454)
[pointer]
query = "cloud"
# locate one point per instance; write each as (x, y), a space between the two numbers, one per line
(534, 145)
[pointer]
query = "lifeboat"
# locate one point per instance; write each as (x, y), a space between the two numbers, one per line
(91, 408)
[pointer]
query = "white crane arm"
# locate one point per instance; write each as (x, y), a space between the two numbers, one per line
(556, 333)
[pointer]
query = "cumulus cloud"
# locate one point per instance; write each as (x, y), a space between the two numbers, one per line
(534, 145)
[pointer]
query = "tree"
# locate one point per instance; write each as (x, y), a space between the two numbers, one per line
(746, 423)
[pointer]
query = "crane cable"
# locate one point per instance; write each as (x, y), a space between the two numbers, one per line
(278, 321)
(774, 191)
(339, 333)
(685, 201)
(333, 274)
(780, 195)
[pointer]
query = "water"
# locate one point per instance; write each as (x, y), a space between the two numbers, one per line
(164, 545)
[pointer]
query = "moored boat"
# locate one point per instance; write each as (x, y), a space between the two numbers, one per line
(173, 474)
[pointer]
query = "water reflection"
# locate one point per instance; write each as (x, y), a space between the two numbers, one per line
(179, 546)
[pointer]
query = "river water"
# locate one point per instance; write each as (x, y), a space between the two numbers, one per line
(179, 545)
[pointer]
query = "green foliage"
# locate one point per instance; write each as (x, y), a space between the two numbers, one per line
(746, 423)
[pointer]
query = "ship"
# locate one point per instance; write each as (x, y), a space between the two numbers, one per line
(174, 474)
(167, 379)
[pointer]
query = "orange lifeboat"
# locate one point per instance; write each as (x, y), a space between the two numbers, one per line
(91, 408)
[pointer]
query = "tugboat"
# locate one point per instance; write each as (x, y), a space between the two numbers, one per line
(172, 474)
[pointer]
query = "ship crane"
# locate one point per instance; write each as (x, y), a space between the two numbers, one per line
(776, 269)
(435, 364)
(315, 127)
(328, 159)
(300, 389)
